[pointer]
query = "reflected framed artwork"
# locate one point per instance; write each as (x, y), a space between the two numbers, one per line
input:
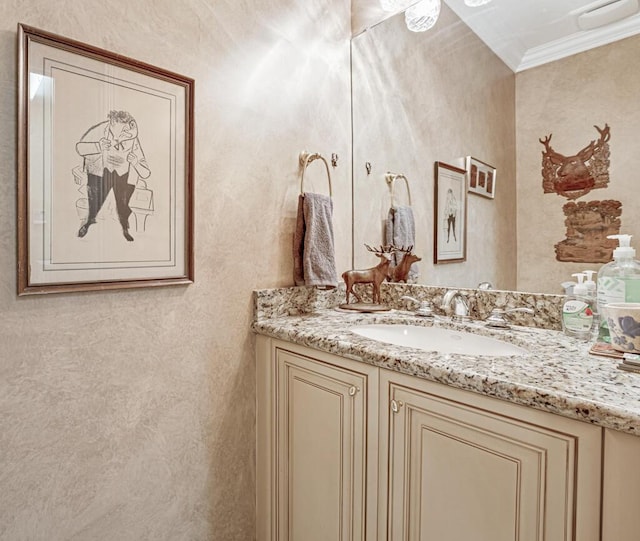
(450, 230)
(105, 169)
(481, 178)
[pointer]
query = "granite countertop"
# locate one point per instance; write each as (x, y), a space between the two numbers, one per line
(558, 376)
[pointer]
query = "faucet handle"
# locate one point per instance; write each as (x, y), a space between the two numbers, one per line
(425, 309)
(498, 320)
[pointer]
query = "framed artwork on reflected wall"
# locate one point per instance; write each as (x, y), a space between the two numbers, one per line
(450, 231)
(481, 178)
(105, 169)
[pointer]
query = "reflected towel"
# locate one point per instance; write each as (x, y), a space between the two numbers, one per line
(400, 230)
(313, 244)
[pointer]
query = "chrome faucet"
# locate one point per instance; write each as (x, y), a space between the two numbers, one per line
(498, 320)
(424, 307)
(455, 305)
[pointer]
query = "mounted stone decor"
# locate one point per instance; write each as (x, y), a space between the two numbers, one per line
(588, 224)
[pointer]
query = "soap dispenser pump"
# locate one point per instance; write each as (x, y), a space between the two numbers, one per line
(577, 311)
(590, 283)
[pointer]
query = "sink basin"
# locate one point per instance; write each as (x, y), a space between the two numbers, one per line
(438, 339)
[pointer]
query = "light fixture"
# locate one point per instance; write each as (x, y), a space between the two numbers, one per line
(595, 16)
(476, 3)
(423, 15)
(395, 6)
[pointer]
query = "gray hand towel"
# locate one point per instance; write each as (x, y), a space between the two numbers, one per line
(313, 244)
(400, 230)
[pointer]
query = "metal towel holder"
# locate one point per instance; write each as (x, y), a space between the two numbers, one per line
(391, 178)
(305, 159)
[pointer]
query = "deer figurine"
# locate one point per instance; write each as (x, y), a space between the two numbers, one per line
(374, 275)
(400, 272)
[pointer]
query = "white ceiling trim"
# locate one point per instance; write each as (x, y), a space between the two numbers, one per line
(577, 43)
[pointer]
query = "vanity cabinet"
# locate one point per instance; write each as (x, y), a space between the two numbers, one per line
(348, 451)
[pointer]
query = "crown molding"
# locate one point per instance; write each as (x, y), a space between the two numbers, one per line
(577, 43)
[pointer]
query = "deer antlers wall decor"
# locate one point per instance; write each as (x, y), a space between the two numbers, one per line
(575, 176)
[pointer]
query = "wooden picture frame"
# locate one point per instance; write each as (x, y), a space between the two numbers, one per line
(105, 169)
(481, 177)
(450, 224)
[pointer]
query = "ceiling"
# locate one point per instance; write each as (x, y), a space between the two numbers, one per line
(528, 33)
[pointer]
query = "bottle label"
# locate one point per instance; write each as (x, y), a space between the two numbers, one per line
(577, 316)
(610, 290)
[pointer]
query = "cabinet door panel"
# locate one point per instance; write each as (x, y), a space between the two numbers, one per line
(621, 487)
(461, 473)
(479, 472)
(321, 458)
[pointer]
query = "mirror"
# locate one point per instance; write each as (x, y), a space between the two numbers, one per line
(443, 95)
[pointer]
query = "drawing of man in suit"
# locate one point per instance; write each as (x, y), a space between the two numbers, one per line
(110, 150)
(450, 212)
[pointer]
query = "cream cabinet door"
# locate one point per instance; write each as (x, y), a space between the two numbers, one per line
(320, 457)
(621, 487)
(461, 472)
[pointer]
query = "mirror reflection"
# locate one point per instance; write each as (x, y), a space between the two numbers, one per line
(447, 94)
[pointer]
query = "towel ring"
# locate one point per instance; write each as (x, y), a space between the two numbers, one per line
(390, 178)
(305, 159)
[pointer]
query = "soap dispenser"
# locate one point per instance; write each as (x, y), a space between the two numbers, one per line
(618, 281)
(590, 283)
(568, 287)
(592, 293)
(577, 311)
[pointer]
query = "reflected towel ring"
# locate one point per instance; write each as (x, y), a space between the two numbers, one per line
(305, 159)
(390, 178)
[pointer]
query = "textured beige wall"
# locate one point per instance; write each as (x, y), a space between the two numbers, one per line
(130, 415)
(567, 98)
(425, 97)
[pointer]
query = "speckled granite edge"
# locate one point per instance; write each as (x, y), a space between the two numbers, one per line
(290, 301)
(558, 376)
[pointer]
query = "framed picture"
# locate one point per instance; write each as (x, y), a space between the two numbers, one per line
(450, 231)
(482, 178)
(105, 169)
